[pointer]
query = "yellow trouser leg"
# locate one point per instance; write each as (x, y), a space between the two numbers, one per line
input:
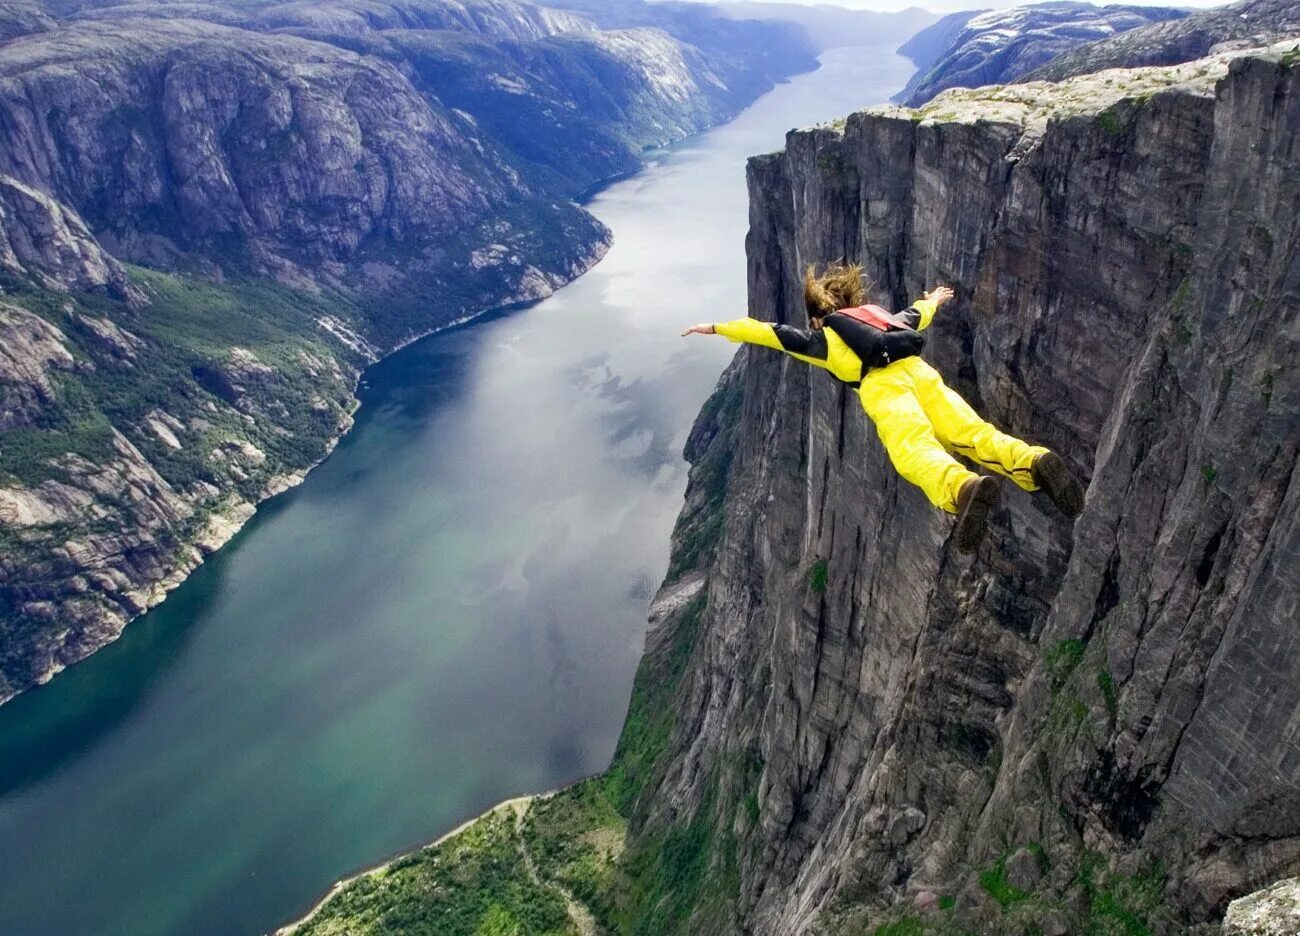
(889, 396)
(960, 428)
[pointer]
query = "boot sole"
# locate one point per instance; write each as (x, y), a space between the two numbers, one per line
(1062, 487)
(973, 521)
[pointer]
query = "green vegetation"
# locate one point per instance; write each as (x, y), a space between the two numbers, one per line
(476, 884)
(576, 840)
(671, 876)
(1120, 905)
(699, 527)
(1179, 309)
(180, 364)
(1209, 473)
(1109, 121)
(551, 236)
(1068, 715)
(1106, 683)
(650, 716)
(832, 165)
(1061, 660)
(817, 576)
(995, 884)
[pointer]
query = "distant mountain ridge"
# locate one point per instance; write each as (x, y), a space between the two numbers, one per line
(830, 26)
(1243, 24)
(926, 47)
(1001, 45)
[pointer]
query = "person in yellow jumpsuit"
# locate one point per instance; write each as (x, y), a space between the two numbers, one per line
(922, 422)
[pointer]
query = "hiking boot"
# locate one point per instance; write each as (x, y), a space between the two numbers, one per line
(1051, 474)
(975, 502)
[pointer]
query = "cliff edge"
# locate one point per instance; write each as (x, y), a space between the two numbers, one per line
(1088, 723)
(842, 727)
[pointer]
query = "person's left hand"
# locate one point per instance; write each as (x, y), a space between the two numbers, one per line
(940, 294)
(699, 330)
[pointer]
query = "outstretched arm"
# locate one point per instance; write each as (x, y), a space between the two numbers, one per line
(808, 346)
(922, 310)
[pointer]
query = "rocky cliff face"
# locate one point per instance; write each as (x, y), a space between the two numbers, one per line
(1089, 727)
(1002, 45)
(19, 18)
(312, 185)
(926, 47)
(49, 244)
(1239, 25)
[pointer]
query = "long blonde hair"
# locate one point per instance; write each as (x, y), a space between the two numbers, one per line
(840, 286)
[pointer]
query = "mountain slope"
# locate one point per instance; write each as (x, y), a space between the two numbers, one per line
(212, 216)
(832, 27)
(1243, 24)
(926, 46)
(1002, 45)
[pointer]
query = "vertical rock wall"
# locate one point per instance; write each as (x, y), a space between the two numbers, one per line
(1085, 716)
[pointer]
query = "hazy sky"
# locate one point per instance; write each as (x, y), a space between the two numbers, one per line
(951, 6)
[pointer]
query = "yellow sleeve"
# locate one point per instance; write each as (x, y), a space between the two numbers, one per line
(927, 308)
(749, 331)
(752, 331)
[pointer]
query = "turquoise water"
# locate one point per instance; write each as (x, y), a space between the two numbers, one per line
(447, 613)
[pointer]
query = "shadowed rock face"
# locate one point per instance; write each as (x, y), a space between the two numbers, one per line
(1086, 719)
(1002, 45)
(47, 242)
(21, 17)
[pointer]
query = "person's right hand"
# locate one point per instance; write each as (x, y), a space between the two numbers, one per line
(699, 330)
(940, 294)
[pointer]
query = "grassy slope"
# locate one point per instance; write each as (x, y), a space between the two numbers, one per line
(189, 326)
(681, 879)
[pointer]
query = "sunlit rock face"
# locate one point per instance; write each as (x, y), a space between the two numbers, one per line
(1274, 911)
(293, 138)
(1241, 25)
(1002, 45)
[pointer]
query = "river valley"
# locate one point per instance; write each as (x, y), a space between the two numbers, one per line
(447, 613)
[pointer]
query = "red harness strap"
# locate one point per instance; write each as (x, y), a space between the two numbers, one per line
(876, 317)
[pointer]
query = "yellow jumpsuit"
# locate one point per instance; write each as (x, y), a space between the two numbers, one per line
(921, 421)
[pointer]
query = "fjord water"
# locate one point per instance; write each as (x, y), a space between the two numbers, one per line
(447, 613)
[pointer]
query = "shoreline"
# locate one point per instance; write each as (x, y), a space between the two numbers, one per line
(235, 514)
(338, 886)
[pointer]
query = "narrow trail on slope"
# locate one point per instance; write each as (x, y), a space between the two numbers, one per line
(582, 917)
